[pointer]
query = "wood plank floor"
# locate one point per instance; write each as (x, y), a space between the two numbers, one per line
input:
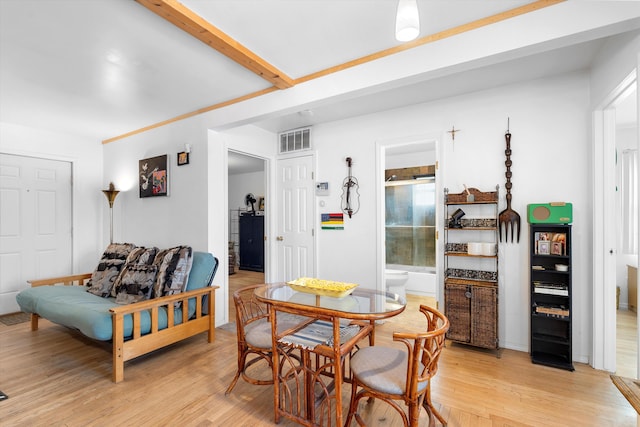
(54, 376)
(626, 343)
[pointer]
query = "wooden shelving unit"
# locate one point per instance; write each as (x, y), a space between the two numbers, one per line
(471, 277)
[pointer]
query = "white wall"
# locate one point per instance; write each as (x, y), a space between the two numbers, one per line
(181, 217)
(242, 184)
(615, 60)
(549, 124)
(90, 207)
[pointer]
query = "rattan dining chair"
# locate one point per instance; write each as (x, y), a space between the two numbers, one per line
(392, 374)
(253, 329)
(254, 335)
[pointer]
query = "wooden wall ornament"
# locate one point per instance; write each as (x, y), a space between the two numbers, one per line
(508, 218)
(350, 195)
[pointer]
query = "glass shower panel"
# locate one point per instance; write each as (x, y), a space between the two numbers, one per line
(410, 223)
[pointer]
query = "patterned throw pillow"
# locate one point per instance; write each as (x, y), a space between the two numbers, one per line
(142, 255)
(138, 256)
(174, 266)
(108, 269)
(136, 283)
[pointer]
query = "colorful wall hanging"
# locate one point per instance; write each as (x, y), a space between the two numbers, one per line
(332, 221)
(153, 176)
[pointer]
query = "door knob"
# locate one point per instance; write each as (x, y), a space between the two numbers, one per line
(279, 238)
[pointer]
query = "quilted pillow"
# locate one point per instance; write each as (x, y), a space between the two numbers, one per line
(138, 256)
(136, 283)
(108, 269)
(174, 266)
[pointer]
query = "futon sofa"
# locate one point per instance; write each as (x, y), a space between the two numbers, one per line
(136, 303)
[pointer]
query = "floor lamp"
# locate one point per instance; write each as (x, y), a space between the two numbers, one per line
(111, 194)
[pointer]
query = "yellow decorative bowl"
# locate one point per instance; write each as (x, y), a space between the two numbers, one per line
(321, 287)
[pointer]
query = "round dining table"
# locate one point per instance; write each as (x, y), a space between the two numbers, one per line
(329, 325)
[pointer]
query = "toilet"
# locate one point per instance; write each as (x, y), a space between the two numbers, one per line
(395, 281)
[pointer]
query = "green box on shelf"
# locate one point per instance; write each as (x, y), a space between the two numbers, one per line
(550, 213)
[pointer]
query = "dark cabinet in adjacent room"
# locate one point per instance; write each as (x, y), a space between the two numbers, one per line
(251, 230)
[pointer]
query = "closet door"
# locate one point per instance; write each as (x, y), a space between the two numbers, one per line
(35, 223)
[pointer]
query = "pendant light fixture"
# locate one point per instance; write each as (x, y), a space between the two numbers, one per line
(407, 20)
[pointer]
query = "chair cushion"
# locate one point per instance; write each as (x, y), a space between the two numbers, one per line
(383, 369)
(258, 333)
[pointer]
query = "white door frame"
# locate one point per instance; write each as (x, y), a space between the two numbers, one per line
(381, 147)
(604, 229)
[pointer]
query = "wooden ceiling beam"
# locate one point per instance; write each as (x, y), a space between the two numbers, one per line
(185, 19)
(168, 5)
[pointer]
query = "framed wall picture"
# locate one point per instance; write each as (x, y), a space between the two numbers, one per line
(183, 158)
(261, 203)
(154, 177)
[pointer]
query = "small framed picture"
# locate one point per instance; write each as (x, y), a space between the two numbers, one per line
(183, 158)
(542, 235)
(261, 203)
(544, 247)
(557, 248)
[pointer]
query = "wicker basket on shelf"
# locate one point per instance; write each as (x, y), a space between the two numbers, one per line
(478, 196)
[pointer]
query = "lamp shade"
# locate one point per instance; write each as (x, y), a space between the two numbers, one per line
(407, 20)
(111, 194)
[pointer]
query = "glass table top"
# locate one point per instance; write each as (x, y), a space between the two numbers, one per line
(362, 303)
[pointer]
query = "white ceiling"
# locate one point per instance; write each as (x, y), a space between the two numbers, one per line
(103, 68)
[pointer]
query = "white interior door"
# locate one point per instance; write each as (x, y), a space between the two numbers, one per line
(35, 223)
(295, 237)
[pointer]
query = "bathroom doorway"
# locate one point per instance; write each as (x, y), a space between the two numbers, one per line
(409, 216)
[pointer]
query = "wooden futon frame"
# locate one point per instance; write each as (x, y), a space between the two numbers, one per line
(138, 344)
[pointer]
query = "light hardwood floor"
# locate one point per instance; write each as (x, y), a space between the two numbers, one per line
(626, 343)
(54, 376)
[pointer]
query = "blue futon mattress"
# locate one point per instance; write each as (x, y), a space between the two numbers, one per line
(74, 307)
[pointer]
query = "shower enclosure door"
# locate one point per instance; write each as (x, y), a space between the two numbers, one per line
(410, 224)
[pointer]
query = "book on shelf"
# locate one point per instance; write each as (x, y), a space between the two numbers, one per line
(552, 311)
(550, 288)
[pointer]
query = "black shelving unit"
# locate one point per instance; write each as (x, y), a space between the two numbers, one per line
(551, 289)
